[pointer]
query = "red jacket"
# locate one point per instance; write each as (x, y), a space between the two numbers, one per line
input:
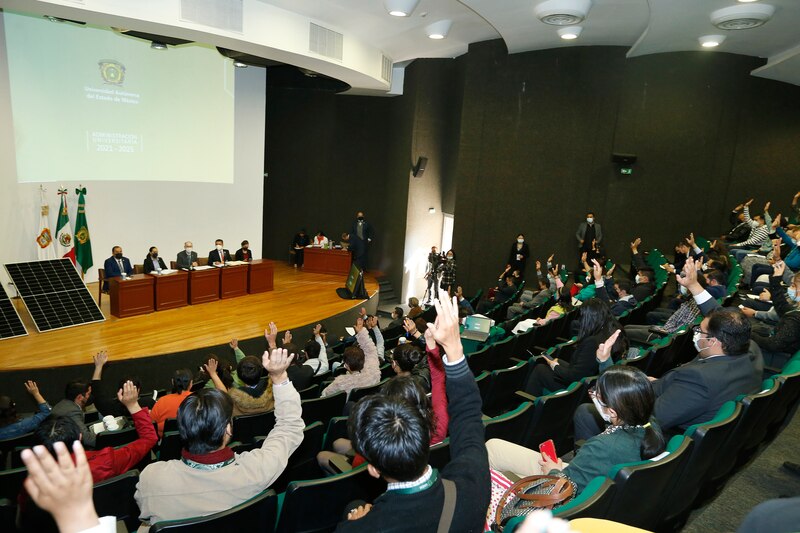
(110, 462)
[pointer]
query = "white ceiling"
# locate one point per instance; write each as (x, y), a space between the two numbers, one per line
(276, 29)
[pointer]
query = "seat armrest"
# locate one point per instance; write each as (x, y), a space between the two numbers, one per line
(526, 396)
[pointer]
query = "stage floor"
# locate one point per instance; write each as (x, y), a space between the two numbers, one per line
(299, 298)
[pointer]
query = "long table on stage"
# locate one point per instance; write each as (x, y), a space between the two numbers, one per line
(326, 261)
(233, 281)
(132, 296)
(260, 276)
(171, 290)
(204, 285)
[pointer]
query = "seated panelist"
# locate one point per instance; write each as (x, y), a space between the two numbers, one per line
(152, 262)
(115, 265)
(219, 255)
(244, 253)
(188, 257)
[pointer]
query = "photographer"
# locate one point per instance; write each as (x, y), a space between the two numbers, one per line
(432, 272)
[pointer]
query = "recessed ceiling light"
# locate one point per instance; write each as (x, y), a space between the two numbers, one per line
(239, 64)
(747, 1)
(400, 8)
(570, 32)
(711, 41)
(156, 45)
(438, 30)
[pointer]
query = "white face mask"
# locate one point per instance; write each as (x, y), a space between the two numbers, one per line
(601, 409)
(638, 278)
(449, 257)
(684, 290)
(589, 220)
(219, 247)
(520, 241)
(696, 341)
(704, 267)
(188, 250)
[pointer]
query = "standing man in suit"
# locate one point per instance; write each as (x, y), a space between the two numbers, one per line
(360, 239)
(589, 233)
(188, 257)
(116, 265)
(153, 262)
(244, 253)
(219, 255)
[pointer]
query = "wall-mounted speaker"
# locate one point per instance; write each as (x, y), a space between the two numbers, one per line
(623, 159)
(419, 168)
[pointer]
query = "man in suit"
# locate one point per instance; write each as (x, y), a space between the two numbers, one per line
(219, 255)
(244, 253)
(116, 265)
(360, 239)
(77, 395)
(153, 262)
(188, 257)
(726, 366)
(589, 233)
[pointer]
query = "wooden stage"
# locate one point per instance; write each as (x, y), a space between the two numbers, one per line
(299, 298)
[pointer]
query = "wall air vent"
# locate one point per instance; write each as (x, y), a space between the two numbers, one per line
(222, 14)
(742, 17)
(325, 42)
(562, 12)
(386, 68)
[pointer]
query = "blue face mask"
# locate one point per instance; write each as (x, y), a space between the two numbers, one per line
(792, 294)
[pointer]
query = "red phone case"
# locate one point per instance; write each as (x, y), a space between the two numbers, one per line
(548, 448)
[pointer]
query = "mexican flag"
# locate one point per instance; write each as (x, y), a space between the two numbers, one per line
(83, 243)
(64, 245)
(44, 241)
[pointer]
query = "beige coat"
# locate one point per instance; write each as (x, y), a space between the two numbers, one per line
(172, 490)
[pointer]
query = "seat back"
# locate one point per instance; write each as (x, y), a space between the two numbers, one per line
(256, 514)
(789, 394)
(309, 392)
(640, 486)
(707, 437)
(501, 394)
(593, 501)
(483, 381)
(116, 438)
(553, 417)
(303, 461)
(481, 360)
(11, 482)
(7, 446)
(114, 497)
(502, 353)
(511, 426)
(317, 504)
(323, 409)
(337, 429)
(360, 392)
(170, 424)
(247, 427)
(440, 454)
(171, 446)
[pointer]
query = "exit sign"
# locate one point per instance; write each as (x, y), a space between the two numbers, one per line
(626, 171)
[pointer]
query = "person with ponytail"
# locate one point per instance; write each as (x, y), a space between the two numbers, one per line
(625, 398)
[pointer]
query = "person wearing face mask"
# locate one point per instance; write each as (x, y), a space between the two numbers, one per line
(449, 273)
(115, 266)
(77, 395)
(153, 262)
(188, 257)
(625, 399)
(244, 253)
(219, 255)
(589, 234)
(360, 239)
(519, 254)
(759, 233)
(779, 344)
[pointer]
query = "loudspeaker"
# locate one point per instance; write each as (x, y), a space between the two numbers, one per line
(419, 168)
(623, 159)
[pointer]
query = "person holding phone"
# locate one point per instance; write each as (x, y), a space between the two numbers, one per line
(624, 397)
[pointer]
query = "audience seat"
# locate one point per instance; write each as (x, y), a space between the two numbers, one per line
(7, 447)
(501, 393)
(114, 497)
(483, 381)
(440, 454)
(309, 392)
(593, 502)
(303, 462)
(481, 360)
(323, 409)
(170, 424)
(511, 426)
(318, 504)
(361, 392)
(256, 514)
(115, 438)
(337, 429)
(552, 417)
(170, 447)
(247, 427)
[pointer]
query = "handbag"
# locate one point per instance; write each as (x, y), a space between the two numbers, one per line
(530, 494)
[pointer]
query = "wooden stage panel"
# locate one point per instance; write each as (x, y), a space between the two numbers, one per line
(298, 298)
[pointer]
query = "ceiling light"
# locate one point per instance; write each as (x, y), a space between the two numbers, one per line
(438, 30)
(747, 1)
(157, 45)
(239, 64)
(400, 8)
(562, 12)
(570, 32)
(742, 17)
(711, 41)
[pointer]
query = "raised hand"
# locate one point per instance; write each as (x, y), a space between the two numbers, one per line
(359, 512)
(430, 342)
(271, 334)
(372, 321)
(748, 202)
(234, 343)
(689, 279)
(538, 265)
(211, 367)
(100, 358)
(317, 329)
(363, 311)
(766, 206)
(550, 259)
(778, 269)
(128, 396)
(62, 488)
(287, 337)
(690, 241)
(446, 329)
(776, 221)
(738, 207)
(276, 364)
(359, 325)
(583, 258)
(409, 326)
(33, 390)
(597, 270)
(635, 244)
(604, 349)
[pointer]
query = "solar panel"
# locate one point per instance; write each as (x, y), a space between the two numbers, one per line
(10, 324)
(54, 294)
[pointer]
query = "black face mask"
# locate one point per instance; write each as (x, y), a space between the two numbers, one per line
(117, 256)
(154, 254)
(361, 219)
(245, 248)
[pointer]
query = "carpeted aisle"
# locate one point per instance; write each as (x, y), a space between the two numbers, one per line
(763, 479)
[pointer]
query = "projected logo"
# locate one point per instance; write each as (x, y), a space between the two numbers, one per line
(112, 72)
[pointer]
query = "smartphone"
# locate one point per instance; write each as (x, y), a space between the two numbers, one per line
(548, 449)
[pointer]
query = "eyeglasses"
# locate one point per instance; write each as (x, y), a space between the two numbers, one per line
(698, 329)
